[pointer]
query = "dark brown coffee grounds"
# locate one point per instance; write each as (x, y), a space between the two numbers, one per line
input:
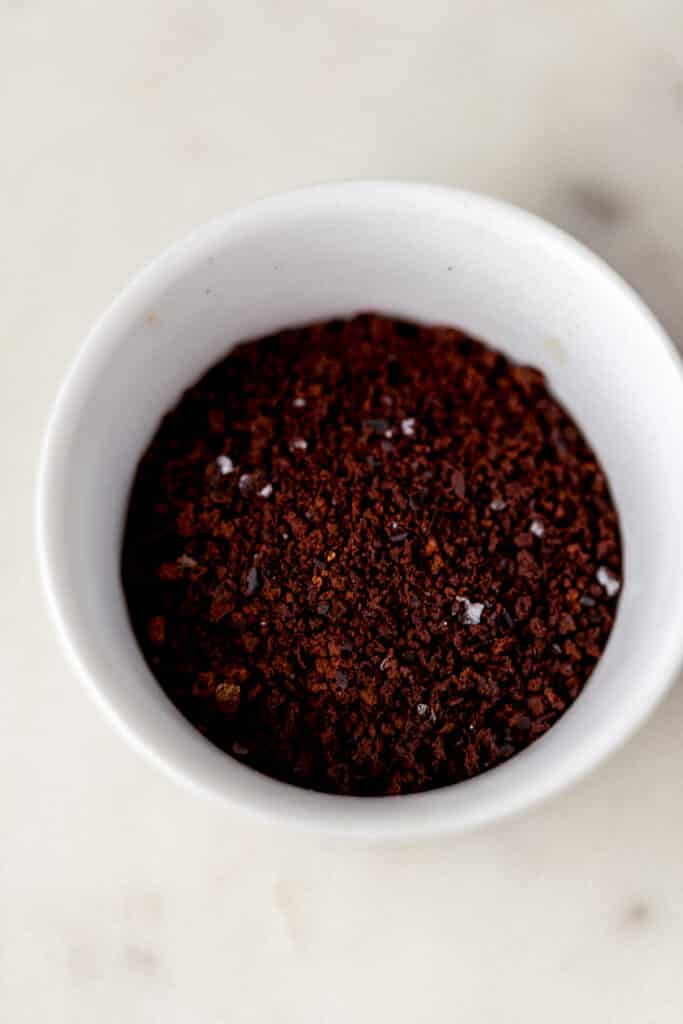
(370, 557)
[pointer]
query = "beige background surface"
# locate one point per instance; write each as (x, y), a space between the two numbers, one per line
(122, 897)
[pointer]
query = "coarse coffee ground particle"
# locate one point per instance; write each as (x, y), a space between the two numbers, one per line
(371, 557)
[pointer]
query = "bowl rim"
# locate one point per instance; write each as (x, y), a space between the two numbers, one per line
(410, 815)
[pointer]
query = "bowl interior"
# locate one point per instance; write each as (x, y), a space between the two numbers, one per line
(420, 252)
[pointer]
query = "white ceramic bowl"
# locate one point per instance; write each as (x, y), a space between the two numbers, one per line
(421, 252)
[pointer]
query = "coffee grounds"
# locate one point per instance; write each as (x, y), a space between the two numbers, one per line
(371, 557)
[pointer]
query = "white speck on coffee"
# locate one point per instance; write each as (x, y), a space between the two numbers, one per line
(537, 528)
(245, 484)
(472, 611)
(253, 581)
(225, 465)
(266, 491)
(425, 711)
(299, 402)
(397, 534)
(497, 504)
(389, 433)
(408, 427)
(297, 444)
(608, 581)
(185, 562)
(384, 663)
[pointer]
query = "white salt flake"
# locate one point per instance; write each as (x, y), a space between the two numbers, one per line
(266, 491)
(384, 664)
(225, 465)
(537, 528)
(497, 504)
(299, 402)
(389, 433)
(245, 484)
(297, 444)
(185, 562)
(397, 535)
(608, 581)
(408, 427)
(472, 611)
(422, 709)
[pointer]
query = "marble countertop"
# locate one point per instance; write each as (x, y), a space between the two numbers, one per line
(123, 897)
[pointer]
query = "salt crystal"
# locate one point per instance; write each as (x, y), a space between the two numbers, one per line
(384, 664)
(408, 427)
(425, 711)
(185, 562)
(608, 581)
(253, 581)
(245, 484)
(396, 538)
(266, 491)
(472, 611)
(497, 504)
(225, 465)
(299, 402)
(537, 528)
(389, 433)
(297, 444)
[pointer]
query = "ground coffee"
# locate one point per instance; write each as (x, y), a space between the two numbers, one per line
(371, 557)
